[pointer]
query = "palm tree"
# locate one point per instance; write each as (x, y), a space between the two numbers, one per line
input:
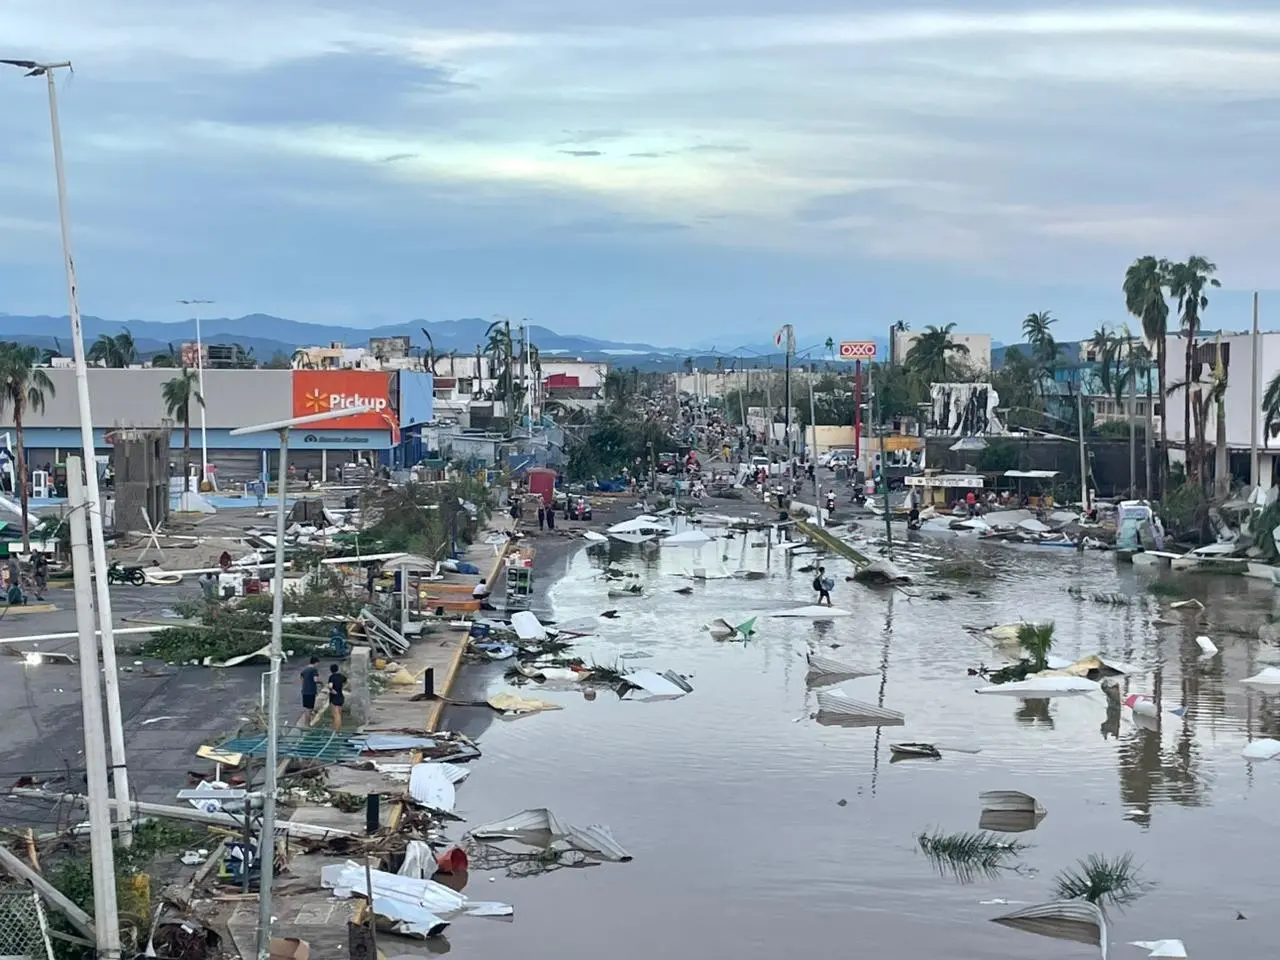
(1044, 349)
(1271, 410)
(432, 358)
(1188, 283)
(930, 355)
(118, 351)
(501, 351)
(48, 354)
(831, 348)
(167, 359)
(23, 386)
(179, 393)
(1144, 286)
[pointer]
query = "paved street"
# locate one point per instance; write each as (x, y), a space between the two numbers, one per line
(40, 705)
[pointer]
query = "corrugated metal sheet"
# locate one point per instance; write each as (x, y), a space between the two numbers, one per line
(431, 786)
(327, 746)
(539, 827)
(820, 666)
(835, 705)
(1076, 920)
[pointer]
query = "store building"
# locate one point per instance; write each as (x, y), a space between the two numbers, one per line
(133, 397)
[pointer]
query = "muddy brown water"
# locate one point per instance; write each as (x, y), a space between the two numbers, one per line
(728, 798)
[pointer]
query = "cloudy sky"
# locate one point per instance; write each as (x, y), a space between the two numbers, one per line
(674, 171)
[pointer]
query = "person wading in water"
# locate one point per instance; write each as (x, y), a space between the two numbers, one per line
(820, 586)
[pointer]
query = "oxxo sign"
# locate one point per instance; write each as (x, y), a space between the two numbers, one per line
(857, 349)
(319, 391)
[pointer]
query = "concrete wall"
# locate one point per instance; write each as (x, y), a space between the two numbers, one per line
(1240, 410)
(824, 438)
(132, 398)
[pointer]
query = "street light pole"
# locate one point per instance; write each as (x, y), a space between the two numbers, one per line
(266, 839)
(111, 674)
(204, 437)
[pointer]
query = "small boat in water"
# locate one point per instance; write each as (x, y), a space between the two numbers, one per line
(914, 751)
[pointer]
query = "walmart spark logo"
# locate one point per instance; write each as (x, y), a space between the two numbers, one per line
(316, 401)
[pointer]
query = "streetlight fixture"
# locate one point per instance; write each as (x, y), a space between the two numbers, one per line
(266, 841)
(204, 437)
(111, 674)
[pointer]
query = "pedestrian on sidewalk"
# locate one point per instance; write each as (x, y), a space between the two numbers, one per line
(542, 517)
(310, 687)
(551, 520)
(337, 681)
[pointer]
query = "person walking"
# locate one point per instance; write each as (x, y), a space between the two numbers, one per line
(551, 520)
(310, 687)
(41, 575)
(542, 517)
(337, 696)
(820, 586)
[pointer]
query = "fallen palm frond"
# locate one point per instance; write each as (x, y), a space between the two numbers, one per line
(1102, 880)
(1037, 640)
(963, 570)
(969, 854)
(1166, 588)
(599, 673)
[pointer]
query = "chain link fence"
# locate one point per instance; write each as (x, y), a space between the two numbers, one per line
(24, 930)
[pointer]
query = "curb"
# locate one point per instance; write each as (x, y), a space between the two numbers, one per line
(437, 709)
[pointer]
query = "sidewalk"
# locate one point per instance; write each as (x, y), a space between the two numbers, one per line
(301, 908)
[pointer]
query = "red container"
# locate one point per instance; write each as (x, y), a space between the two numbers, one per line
(542, 481)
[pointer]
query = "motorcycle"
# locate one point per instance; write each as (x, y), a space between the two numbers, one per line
(130, 575)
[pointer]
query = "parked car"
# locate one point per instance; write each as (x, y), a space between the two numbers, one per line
(668, 463)
(578, 508)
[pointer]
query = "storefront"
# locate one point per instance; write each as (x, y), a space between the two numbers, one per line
(235, 398)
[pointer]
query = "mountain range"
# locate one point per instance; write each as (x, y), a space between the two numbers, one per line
(266, 336)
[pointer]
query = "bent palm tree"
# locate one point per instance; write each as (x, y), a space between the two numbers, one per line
(1271, 410)
(930, 355)
(114, 351)
(23, 386)
(179, 394)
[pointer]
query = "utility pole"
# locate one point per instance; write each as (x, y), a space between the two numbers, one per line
(1254, 412)
(105, 910)
(1084, 463)
(204, 436)
(813, 449)
(884, 474)
(1133, 426)
(110, 672)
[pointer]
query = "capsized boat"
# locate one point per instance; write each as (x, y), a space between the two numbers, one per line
(904, 751)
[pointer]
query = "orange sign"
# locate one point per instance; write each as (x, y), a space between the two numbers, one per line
(319, 391)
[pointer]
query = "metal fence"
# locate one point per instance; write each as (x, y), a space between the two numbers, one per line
(24, 930)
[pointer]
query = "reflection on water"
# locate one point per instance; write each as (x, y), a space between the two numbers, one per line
(729, 796)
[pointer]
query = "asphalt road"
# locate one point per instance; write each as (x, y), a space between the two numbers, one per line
(168, 711)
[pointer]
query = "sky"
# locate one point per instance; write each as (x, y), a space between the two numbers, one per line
(677, 172)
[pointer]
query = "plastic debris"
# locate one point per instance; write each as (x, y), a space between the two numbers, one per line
(527, 626)
(414, 907)
(838, 706)
(1192, 604)
(1144, 706)
(1207, 646)
(1038, 687)
(594, 537)
(689, 538)
(812, 612)
(539, 827)
(669, 684)
(1266, 677)
(513, 705)
(1161, 948)
(565, 674)
(1077, 920)
(1261, 749)
(722, 629)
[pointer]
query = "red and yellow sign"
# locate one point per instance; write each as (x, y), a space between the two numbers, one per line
(319, 391)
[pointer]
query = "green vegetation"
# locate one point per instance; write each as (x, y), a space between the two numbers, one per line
(1100, 879)
(969, 855)
(1036, 639)
(422, 518)
(72, 874)
(23, 387)
(179, 395)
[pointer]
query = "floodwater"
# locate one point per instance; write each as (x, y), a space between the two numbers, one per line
(728, 798)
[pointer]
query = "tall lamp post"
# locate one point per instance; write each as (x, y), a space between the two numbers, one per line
(204, 437)
(111, 674)
(266, 841)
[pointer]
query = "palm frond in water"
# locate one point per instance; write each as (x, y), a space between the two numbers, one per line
(1102, 880)
(968, 855)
